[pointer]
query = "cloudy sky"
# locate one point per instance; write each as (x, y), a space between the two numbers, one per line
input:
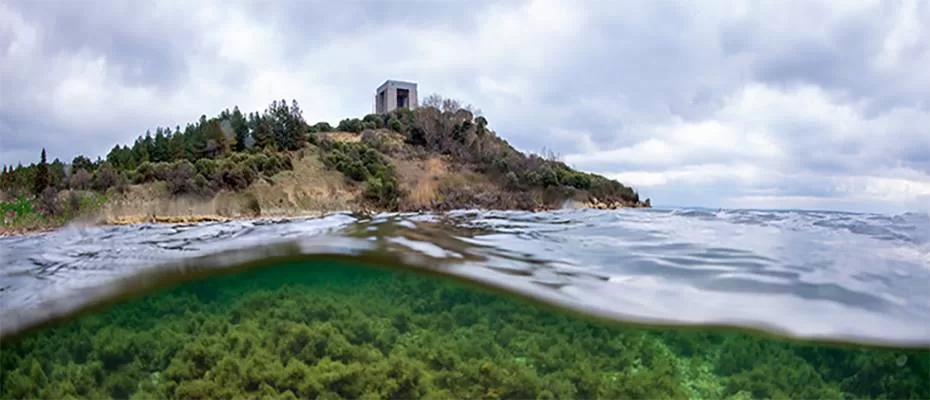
(713, 103)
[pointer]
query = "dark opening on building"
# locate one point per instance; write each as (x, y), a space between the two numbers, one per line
(403, 98)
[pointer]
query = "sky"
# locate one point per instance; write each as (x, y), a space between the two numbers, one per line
(733, 104)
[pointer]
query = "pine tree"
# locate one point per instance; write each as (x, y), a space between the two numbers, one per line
(240, 127)
(176, 145)
(81, 162)
(195, 140)
(262, 132)
(42, 177)
(56, 173)
(217, 144)
(140, 151)
(160, 151)
(5, 179)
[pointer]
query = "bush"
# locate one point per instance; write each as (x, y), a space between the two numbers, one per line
(233, 176)
(321, 127)
(74, 202)
(350, 125)
(183, 179)
(151, 172)
(382, 192)
(361, 163)
(48, 201)
(252, 205)
(79, 180)
(106, 178)
(206, 166)
(395, 125)
(373, 121)
(380, 142)
(446, 127)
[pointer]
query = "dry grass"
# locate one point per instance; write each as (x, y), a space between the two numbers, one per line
(342, 136)
(309, 188)
(420, 179)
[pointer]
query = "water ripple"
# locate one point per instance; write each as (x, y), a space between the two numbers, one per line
(806, 274)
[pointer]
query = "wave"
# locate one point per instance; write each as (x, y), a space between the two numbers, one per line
(802, 274)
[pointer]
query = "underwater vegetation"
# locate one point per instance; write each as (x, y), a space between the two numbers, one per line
(334, 330)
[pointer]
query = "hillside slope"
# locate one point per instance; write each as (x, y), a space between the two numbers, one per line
(437, 157)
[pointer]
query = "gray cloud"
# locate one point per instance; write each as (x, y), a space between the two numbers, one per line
(147, 48)
(709, 103)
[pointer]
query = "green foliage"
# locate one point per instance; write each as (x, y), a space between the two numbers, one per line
(335, 330)
(231, 150)
(286, 124)
(41, 177)
(82, 162)
(321, 127)
(446, 127)
(106, 178)
(47, 209)
(19, 207)
(240, 127)
(362, 163)
(354, 125)
(234, 173)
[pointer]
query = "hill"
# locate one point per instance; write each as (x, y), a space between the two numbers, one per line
(440, 156)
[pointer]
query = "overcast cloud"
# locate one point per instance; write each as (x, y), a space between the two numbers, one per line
(715, 103)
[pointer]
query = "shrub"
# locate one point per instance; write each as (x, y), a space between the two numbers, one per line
(361, 163)
(183, 179)
(373, 121)
(74, 202)
(350, 125)
(151, 172)
(79, 180)
(395, 125)
(106, 177)
(233, 176)
(321, 127)
(48, 201)
(206, 166)
(383, 192)
(252, 205)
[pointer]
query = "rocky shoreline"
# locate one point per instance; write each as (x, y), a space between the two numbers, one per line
(594, 202)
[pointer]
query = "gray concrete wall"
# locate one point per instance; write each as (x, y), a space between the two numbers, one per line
(389, 90)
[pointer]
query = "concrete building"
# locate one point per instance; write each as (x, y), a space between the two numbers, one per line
(395, 94)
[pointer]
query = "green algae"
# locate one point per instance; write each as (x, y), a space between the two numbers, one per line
(334, 330)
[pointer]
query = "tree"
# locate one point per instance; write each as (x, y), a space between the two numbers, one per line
(6, 177)
(56, 174)
(140, 151)
(287, 124)
(216, 144)
(176, 145)
(42, 176)
(106, 177)
(241, 128)
(81, 162)
(121, 157)
(195, 142)
(262, 132)
(160, 150)
(80, 180)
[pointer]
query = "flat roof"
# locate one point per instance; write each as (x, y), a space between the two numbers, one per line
(390, 81)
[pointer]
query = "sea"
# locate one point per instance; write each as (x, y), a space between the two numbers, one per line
(576, 303)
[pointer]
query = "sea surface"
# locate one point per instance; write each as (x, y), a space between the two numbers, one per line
(785, 283)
